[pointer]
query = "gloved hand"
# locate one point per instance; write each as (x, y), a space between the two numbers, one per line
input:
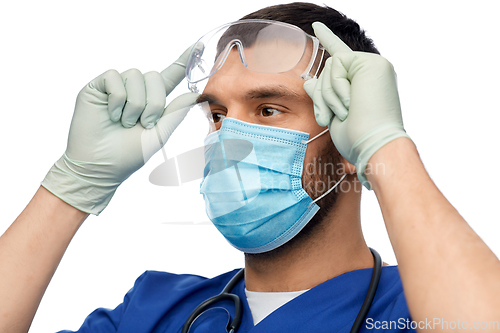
(356, 96)
(118, 124)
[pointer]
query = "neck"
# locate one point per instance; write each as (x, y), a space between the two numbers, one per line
(332, 248)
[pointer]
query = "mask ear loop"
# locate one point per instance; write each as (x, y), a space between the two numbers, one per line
(317, 136)
(334, 186)
(341, 179)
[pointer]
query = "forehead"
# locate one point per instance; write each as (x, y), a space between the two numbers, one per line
(282, 58)
(234, 76)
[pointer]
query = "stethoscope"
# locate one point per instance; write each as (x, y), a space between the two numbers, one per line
(232, 327)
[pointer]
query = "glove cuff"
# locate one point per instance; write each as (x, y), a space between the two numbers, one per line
(372, 142)
(76, 189)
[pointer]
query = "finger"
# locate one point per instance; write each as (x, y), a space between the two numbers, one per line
(133, 81)
(155, 99)
(174, 113)
(309, 86)
(328, 39)
(339, 80)
(176, 72)
(322, 112)
(330, 94)
(338, 135)
(154, 139)
(111, 83)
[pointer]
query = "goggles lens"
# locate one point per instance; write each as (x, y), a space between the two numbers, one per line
(264, 46)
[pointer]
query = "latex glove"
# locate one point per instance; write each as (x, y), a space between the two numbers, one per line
(356, 96)
(118, 124)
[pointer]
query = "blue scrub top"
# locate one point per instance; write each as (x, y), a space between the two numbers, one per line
(161, 302)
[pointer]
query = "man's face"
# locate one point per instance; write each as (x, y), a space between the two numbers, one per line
(278, 100)
(264, 99)
(281, 101)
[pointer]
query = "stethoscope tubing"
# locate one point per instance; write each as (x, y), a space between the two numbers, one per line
(372, 290)
(233, 326)
(224, 295)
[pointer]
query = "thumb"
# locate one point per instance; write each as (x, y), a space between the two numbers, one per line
(322, 112)
(155, 138)
(174, 113)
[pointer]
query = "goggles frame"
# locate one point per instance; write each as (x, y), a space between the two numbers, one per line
(195, 58)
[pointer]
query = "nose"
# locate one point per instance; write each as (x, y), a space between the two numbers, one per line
(239, 112)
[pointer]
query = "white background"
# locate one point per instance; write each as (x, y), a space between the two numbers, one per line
(447, 60)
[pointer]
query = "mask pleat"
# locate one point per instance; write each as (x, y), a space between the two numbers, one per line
(252, 184)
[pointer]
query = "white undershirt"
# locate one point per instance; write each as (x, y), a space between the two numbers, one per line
(262, 304)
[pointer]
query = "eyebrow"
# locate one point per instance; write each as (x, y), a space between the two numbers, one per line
(279, 91)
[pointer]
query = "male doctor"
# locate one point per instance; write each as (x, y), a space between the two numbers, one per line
(307, 266)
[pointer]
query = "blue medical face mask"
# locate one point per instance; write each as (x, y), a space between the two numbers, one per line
(252, 184)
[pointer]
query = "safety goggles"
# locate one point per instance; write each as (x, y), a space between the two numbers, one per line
(264, 46)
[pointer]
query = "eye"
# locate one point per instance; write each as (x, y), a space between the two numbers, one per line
(218, 117)
(268, 112)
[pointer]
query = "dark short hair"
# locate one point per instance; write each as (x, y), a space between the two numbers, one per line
(303, 15)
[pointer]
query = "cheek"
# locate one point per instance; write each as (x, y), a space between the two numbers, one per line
(314, 154)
